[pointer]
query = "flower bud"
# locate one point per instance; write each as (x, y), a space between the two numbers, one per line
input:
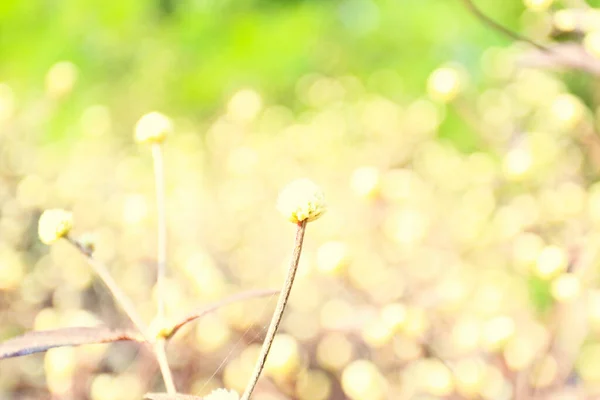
(153, 128)
(301, 200)
(222, 394)
(54, 224)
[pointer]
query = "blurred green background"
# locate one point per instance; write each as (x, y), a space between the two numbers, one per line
(458, 259)
(188, 57)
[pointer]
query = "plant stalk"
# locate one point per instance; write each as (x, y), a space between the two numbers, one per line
(120, 297)
(163, 363)
(278, 314)
(161, 258)
(161, 261)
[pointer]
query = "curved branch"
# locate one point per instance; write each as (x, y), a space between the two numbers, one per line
(207, 309)
(40, 341)
(501, 28)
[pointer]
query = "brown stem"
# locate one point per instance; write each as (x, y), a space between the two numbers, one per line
(126, 304)
(278, 314)
(120, 297)
(207, 309)
(501, 28)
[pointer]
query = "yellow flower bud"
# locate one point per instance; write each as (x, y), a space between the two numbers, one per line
(301, 200)
(54, 224)
(153, 128)
(222, 394)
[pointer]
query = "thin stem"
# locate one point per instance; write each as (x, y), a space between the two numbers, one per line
(126, 304)
(161, 258)
(278, 314)
(120, 297)
(161, 261)
(163, 363)
(209, 308)
(501, 28)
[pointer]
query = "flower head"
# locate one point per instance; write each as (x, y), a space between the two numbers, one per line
(54, 224)
(153, 128)
(222, 394)
(301, 200)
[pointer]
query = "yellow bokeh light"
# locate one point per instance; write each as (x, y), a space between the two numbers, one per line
(567, 109)
(334, 351)
(407, 349)
(466, 334)
(590, 19)
(519, 352)
(495, 386)
(588, 364)
(376, 333)
(313, 385)
(284, 357)
(12, 268)
(59, 365)
(551, 261)
(591, 42)
(332, 257)
(61, 78)
(444, 84)
(565, 20)
(135, 209)
(365, 181)
(102, 387)
(244, 105)
(361, 380)
(207, 278)
(408, 226)
(435, 378)
(211, 333)
(526, 249)
(566, 287)
(469, 375)
(497, 331)
(394, 315)
(416, 323)
(235, 374)
(517, 163)
(538, 5)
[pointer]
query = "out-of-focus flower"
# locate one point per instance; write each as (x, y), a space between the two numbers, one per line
(153, 128)
(222, 394)
(301, 200)
(54, 224)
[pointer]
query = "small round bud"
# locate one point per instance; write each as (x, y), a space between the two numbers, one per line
(54, 224)
(153, 128)
(301, 200)
(222, 394)
(160, 328)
